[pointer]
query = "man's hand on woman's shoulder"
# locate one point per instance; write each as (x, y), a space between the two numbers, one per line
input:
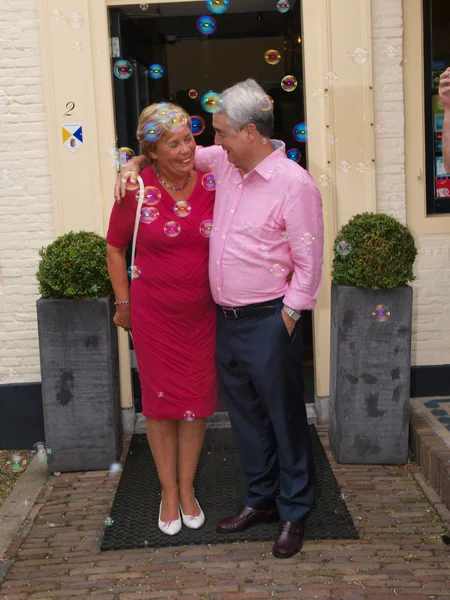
(133, 166)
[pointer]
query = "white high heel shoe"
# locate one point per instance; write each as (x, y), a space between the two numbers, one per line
(193, 521)
(171, 527)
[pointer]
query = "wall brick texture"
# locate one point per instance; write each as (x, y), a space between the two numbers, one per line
(26, 211)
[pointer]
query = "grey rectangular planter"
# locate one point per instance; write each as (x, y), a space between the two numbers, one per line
(80, 383)
(370, 375)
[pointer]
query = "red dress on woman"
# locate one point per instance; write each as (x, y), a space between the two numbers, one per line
(172, 311)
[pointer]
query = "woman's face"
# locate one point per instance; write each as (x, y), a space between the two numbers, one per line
(175, 152)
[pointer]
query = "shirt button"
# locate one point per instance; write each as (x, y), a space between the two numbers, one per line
(240, 185)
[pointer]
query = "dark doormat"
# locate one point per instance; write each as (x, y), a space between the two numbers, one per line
(220, 490)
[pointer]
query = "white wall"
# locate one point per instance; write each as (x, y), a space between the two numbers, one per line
(26, 213)
(431, 326)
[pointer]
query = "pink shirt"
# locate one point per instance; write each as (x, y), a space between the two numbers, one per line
(265, 226)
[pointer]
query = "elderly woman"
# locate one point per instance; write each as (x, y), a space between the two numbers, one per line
(169, 305)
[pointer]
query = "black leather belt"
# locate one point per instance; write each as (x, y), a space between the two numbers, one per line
(250, 310)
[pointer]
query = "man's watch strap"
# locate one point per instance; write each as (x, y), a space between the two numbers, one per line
(293, 314)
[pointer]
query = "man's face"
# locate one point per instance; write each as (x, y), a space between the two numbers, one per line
(236, 143)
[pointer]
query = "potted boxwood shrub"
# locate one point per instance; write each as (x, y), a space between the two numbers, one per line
(371, 321)
(79, 354)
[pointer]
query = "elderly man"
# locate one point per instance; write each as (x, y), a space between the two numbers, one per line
(444, 93)
(267, 225)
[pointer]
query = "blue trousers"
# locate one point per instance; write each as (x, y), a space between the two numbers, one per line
(260, 371)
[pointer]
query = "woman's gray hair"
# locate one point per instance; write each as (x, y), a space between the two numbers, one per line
(246, 102)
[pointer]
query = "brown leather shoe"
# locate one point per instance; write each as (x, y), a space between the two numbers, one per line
(289, 539)
(245, 517)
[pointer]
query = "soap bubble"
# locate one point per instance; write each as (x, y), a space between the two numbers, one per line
(152, 131)
(283, 6)
(289, 83)
(18, 463)
(395, 202)
(307, 239)
(172, 229)
(323, 180)
(206, 25)
(265, 103)
(134, 271)
(182, 208)
(192, 94)
(300, 132)
(359, 56)
(129, 186)
(218, 7)
(176, 122)
(319, 96)
(331, 77)
(272, 57)
(294, 154)
(212, 102)
(77, 46)
(381, 313)
(149, 214)
(57, 15)
(189, 416)
(40, 450)
(5, 175)
(109, 521)
(391, 51)
(345, 166)
(277, 269)
(75, 20)
(206, 228)
(123, 69)
(151, 195)
(125, 154)
(209, 182)
(343, 248)
(197, 125)
(156, 71)
(362, 167)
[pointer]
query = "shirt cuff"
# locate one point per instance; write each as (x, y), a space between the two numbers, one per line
(298, 301)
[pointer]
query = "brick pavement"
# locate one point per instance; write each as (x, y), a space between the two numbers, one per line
(400, 552)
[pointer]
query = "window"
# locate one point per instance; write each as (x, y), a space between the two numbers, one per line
(437, 59)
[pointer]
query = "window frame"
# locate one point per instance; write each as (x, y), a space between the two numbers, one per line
(435, 206)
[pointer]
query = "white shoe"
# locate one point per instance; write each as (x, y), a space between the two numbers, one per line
(193, 521)
(170, 527)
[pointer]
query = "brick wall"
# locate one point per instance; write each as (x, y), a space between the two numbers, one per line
(431, 326)
(26, 212)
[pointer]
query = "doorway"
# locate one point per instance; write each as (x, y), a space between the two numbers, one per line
(169, 34)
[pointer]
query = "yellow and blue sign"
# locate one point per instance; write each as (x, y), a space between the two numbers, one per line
(72, 136)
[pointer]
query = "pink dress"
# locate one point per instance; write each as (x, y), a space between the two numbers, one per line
(172, 311)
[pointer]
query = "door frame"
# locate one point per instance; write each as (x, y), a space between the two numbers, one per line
(329, 32)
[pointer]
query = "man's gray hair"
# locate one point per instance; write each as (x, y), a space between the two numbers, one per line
(246, 102)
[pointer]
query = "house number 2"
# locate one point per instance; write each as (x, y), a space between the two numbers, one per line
(70, 108)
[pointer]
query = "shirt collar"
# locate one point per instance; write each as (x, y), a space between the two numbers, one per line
(267, 166)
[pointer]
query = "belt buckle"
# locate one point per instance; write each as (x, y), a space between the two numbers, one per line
(225, 309)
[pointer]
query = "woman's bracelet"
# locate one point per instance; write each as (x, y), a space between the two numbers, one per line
(124, 302)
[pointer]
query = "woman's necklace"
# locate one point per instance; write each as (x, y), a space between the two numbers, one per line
(172, 187)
